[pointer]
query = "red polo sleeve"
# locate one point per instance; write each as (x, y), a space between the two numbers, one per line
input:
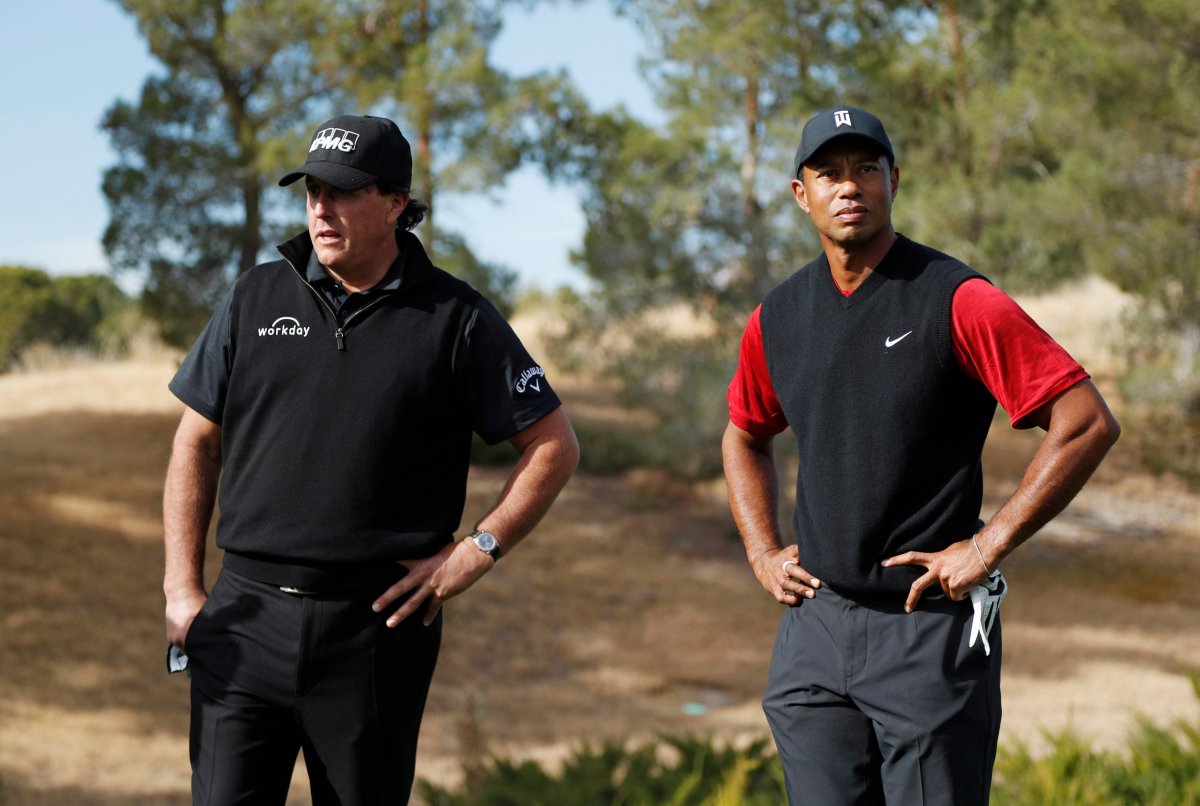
(753, 406)
(1000, 345)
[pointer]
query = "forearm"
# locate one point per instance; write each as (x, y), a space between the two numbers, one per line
(549, 454)
(189, 495)
(753, 486)
(1080, 432)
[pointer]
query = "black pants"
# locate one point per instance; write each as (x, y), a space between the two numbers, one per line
(873, 706)
(274, 673)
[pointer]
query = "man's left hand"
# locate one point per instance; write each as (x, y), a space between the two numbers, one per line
(957, 568)
(433, 580)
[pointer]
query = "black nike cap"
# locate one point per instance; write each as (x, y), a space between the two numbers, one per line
(840, 121)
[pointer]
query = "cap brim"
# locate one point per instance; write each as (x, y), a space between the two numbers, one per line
(866, 138)
(342, 177)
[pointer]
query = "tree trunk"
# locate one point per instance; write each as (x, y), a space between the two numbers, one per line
(251, 237)
(244, 129)
(423, 169)
(966, 140)
(245, 134)
(750, 158)
(960, 89)
(755, 269)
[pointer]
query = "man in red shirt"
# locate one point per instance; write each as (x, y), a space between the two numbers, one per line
(886, 359)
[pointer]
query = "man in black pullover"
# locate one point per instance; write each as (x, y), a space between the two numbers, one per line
(887, 359)
(334, 394)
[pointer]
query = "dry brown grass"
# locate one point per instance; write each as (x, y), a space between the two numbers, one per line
(631, 602)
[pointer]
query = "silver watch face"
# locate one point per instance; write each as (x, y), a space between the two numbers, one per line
(486, 541)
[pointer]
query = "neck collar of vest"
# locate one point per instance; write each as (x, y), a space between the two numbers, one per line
(411, 266)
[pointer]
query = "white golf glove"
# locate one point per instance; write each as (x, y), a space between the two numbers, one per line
(985, 601)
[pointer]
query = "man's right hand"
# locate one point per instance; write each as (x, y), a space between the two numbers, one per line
(181, 612)
(188, 498)
(780, 573)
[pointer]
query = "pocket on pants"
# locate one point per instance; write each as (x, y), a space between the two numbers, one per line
(199, 620)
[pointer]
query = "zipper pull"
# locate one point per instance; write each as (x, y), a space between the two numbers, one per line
(341, 339)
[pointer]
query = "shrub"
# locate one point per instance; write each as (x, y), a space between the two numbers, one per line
(1162, 386)
(89, 312)
(1161, 767)
(676, 771)
(28, 300)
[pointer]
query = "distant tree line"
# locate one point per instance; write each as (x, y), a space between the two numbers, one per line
(1038, 140)
(89, 313)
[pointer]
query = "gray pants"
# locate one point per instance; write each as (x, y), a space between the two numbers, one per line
(871, 705)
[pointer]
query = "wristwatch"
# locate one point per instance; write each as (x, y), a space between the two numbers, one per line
(486, 542)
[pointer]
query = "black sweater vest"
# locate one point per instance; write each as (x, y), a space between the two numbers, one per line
(890, 430)
(344, 456)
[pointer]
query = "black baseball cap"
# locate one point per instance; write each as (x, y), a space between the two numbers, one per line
(352, 151)
(835, 122)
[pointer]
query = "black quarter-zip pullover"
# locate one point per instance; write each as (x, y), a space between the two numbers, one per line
(349, 442)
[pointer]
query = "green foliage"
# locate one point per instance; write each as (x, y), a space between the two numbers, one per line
(427, 63)
(28, 298)
(1159, 767)
(497, 283)
(671, 366)
(674, 771)
(1034, 180)
(1167, 440)
(86, 311)
(611, 451)
(1163, 769)
(188, 197)
(1162, 386)
(90, 310)
(193, 199)
(681, 381)
(1070, 773)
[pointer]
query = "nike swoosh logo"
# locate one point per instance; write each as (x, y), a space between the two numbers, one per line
(893, 342)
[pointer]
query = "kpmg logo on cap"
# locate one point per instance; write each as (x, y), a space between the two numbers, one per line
(842, 118)
(339, 139)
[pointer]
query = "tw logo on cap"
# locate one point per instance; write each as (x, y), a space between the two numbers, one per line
(338, 139)
(842, 118)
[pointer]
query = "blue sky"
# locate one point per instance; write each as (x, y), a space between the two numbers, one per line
(66, 61)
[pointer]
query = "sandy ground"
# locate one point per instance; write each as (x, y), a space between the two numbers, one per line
(630, 612)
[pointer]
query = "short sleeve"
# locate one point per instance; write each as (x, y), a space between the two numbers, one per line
(1000, 345)
(753, 406)
(507, 389)
(203, 378)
